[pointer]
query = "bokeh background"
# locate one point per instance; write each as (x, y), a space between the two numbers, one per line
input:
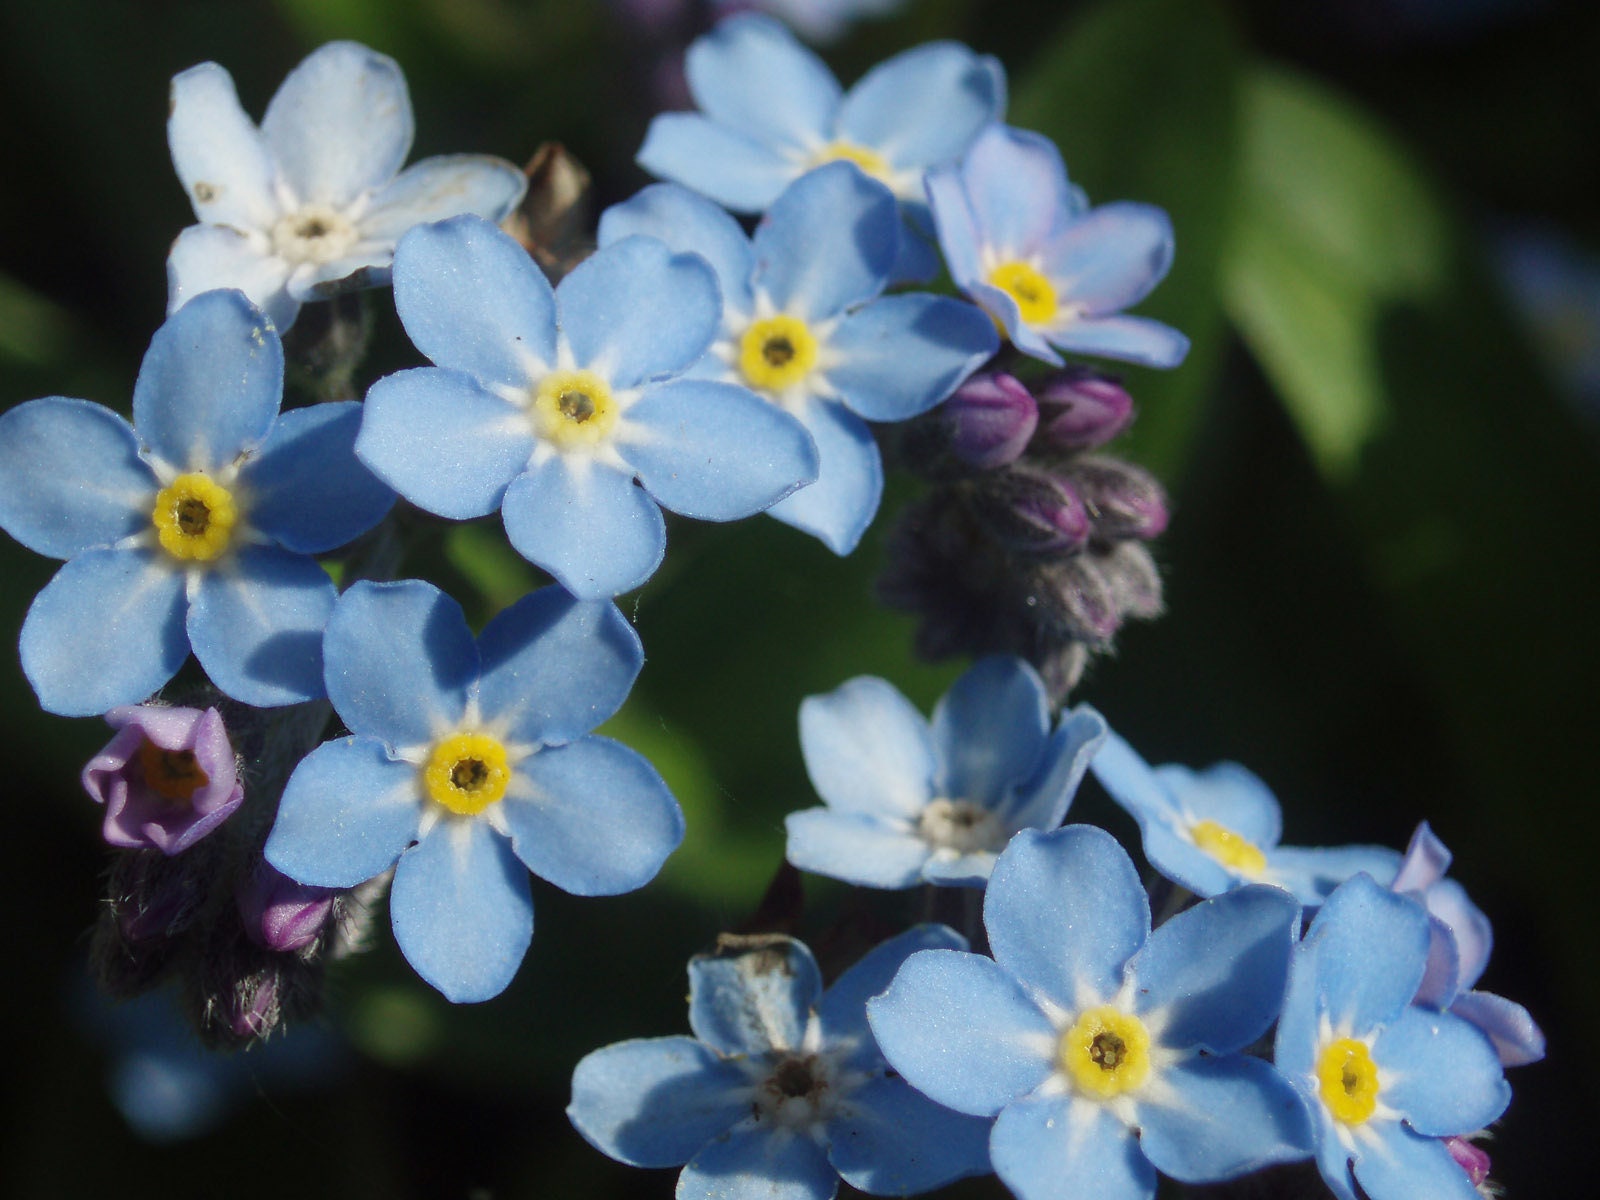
(1383, 571)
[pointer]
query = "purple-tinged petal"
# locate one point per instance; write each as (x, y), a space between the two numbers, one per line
(751, 75)
(753, 995)
(1229, 795)
(1370, 950)
(71, 477)
(1111, 257)
(859, 848)
(729, 167)
(1426, 860)
(306, 490)
(1440, 1073)
(990, 730)
(1469, 928)
(758, 1162)
(1017, 187)
(828, 243)
(1042, 802)
(1517, 1038)
(1128, 339)
(447, 185)
(838, 506)
(1053, 1147)
(222, 162)
(925, 106)
(1219, 1118)
(891, 1140)
(843, 1008)
(900, 355)
(205, 258)
(868, 750)
(1400, 1163)
(1438, 987)
(689, 224)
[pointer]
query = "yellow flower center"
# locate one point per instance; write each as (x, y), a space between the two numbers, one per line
(1105, 1053)
(1349, 1081)
(466, 773)
(777, 352)
(869, 161)
(1026, 284)
(194, 517)
(171, 774)
(574, 409)
(1228, 848)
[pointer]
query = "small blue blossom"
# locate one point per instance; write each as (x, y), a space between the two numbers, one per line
(1217, 829)
(1024, 243)
(782, 1090)
(466, 757)
(908, 802)
(805, 325)
(1384, 1079)
(1108, 1052)
(548, 405)
(313, 201)
(194, 527)
(770, 110)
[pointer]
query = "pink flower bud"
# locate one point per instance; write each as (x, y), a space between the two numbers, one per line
(991, 419)
(1079, 409)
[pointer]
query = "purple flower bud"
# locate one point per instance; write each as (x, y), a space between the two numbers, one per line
(1124, 501)
(253, 1011)
(167, 778)
(991, 418)
(1472, 1159)
(280, 914)
(1031, 511)
(1080, 409)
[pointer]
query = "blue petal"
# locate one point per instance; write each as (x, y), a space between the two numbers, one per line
(256, 625)
(107, 630)
(1042, 802)
(918, 258)
(1300, 1023)
(346, 814)
(461, 909)
(1132, 782)
(868, 750)
(1219, 1118)
(226, 170)
(960, 239)
(635, 311)
(1402, 1164)
(1111, 257)
(1370, 948)
(1312, 872)
(1228, 794)
(1128, 339)
(447, 185)
(1214, 975)
(587, 524)
(734, 170)
(1517, 1038)
(1469, 929)
(400, 660)
(900, 355)
(842, 1011)
(717, 451)
(759, 1162)
(1333, 1161)
(859, 848)
(599, 821)
(555, 667)
(71, 477)
(1438, 987)
(1049, 1148)
(962, 1031)
(751, 75)
(472, 300)
(893, 1141)
(829, 242)
(1065, 912)
(924, 107)
(748, 999)
(1173, 853)
(205, 258)
(654, 1102)
(839, 505)
(306, 490)
(443, 442)
(1016, 185)
(1426, 860)
(990, 730)
(210, 384)
(1440, 1073)
(689, 224)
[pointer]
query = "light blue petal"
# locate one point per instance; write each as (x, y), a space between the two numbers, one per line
(339, 124)
(210, 383)
(400, 661)
(1469, 930)
(1300, 1023)
(555, 667)
(1127, 339)
(901, 355)
(1051, 1148)
(828, 243)
(71, 477)
(1333, 1161)
(600, 821)
(1030, 339)
(1440, 1073)
(918, 258)
(759, 1162)
(1371, 948)
(1517, 1038)
(472, 300)
(971, 869)
(1312, 872)
(891, 1140)
(1132, 782)
(689, 224)
(205, 258)
(1219, 1118)
(586, 524)
(221, 160)
(748, 999)
(462, 913)
(1426, 860)
(1175, 856)
(868, 750)
(717, 451)
(961, 1030)
(1216, 973)
(1065, 911)
(860, 848)
(734, 170)
(368, 265)
(305, 488)
(635, 311)
(256, 625)
(447, 185)
(654, 1102)
(1017, 187)
(990, 730)
(960, 240)
(1228, 794)
(842, 1011)
(751, 75)
(839, 506)
(1438, 987)
(346, 814)
(1403, 1165)
(1111, 257)
(107, 630)
(1042, 802)
(923, 107)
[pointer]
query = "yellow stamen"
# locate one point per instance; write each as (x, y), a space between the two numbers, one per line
(194, 517)
(1349, 1080)
(171, 774)
(1228, 848)
(1105, 1053)
(869, 161)
(1026, 284)
(466, 772)
(777, 352)
(574, 409)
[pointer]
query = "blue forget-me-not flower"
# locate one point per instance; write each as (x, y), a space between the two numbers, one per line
(1108, 1052)
(314, 200)
(911, 802)
(468, 765)
(805, 325)
(548, 404)
(782, 1090)
(194, 527)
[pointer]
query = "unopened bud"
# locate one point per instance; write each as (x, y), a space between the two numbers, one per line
(990, 417)
(1079, 409)
(1470, 1157)
(280, 914)
(1132, 576)
(1124, 501)
(1031, 511)
(1083, 600)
